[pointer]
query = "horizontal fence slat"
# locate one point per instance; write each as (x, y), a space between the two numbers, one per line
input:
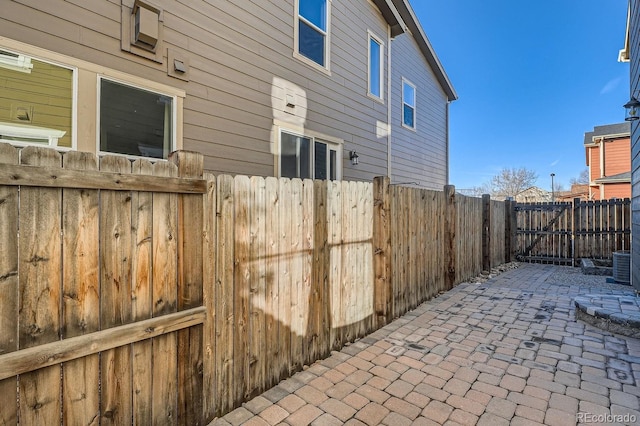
(51, 177)
(30, 359)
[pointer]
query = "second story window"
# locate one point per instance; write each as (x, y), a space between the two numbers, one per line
(408, 104)
(313, 30)
(375, 66)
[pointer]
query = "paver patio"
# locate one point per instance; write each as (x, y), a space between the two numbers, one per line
(506, 351)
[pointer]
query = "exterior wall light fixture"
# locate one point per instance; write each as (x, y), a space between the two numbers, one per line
(633, 110)
(353, 156)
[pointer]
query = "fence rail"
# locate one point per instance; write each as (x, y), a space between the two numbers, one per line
(133, 292)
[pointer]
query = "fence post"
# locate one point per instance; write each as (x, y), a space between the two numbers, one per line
(574, 229)
(450, 226)
(508, 205)
(383, 290)
(486, 232)
(513, 218)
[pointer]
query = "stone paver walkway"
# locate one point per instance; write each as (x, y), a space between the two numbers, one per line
(507, 351)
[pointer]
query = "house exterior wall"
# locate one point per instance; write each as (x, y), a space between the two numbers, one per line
(595, 192)
(418, 156)
(634, 42)
(594, 163)
(241, 68)
(615, 190)
(616, 161)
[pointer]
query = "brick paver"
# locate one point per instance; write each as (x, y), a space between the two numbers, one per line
(505, 351)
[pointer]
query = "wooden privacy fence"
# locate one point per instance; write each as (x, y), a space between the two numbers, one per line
(143, 293)
(563, 233)
(101, 289)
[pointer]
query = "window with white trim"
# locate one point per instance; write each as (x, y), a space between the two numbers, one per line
(408, 104)
(135, 121)
(36, 101)
(375, 66)
(312, 30)
(308, 157)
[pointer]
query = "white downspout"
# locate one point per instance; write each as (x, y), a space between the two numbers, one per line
(602, 171)
(447, 142)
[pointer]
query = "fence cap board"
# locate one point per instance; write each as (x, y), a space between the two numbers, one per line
(54, 177)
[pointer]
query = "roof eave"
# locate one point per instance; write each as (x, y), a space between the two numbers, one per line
(392, 16)
(623, 55)
(408, 15)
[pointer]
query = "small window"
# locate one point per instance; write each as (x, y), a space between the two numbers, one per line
(375, 66)
(408, 104)
(135, 121)
(308, 158)
(312, 30)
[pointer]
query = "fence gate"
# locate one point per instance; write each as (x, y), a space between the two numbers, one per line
(544, 233)
(563, 233)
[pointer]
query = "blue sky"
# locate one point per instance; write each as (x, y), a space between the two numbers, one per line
(532, 78)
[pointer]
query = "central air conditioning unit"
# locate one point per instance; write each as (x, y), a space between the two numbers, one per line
(622, 267)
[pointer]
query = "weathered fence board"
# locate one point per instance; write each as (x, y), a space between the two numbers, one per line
(190, 292)
(80, 299)
(115, 295)
(258, 360)
(9, 286)
(272, 237)
(164, 300)
(39, 273)
(225, 321)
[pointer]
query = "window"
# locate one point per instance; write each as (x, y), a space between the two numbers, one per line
(36, 101)
(408, 104)
(375, 66)
(312, 23)
(308, 158)
(134, 121)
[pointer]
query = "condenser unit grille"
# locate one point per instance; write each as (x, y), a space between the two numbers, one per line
(622, 267)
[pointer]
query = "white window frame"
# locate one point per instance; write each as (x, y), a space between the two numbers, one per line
(26, 133)
(414, 106)
(20, 63)
(23, 64)
(326, 68)
(372, 37)
(332, 143)
(174, 116)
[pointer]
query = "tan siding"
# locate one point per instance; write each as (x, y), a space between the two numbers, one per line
(240, 56)
(418, 156)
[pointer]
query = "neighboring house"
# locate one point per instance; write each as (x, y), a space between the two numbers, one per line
(275, 88)
(608, 156)
(578, 190)
(533, 194)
